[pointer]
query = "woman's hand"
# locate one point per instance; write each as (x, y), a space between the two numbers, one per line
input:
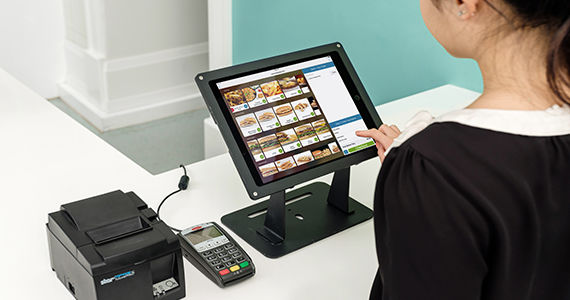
(383, 136)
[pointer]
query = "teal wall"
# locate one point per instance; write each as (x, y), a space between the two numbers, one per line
(386, 40)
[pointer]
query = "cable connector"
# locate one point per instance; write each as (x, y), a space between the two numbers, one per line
(182, 185)
(184, 180)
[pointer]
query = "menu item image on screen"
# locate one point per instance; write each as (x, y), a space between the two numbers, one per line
(303, 158)
(303, 109)
(285, 164)
(272, 91)
(285, 114)
(270, 146)
(306, 134)
(255, 150)
(303, 84)
(290, 86)
(288, 140)
(248, 125)
(254, 96)
(249, 94)
(267, 119)
(322, 152)
(236, 101)
(334, 147)
(315, 106)
(322, 129)
(268, 170)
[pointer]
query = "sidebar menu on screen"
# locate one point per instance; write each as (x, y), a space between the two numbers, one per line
(337, 104)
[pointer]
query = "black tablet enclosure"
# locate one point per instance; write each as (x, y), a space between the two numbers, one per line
(287, 120)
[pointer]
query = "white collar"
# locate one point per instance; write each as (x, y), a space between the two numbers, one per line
(553, 121)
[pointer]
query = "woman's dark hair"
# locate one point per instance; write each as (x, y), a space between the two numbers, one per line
(554, 16)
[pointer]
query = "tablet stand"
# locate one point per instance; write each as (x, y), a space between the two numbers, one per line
(290, 221)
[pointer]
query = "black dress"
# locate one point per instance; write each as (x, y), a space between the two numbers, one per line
(465, 213)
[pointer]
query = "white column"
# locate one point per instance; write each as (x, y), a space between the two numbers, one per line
(132, 61)
(220, 33)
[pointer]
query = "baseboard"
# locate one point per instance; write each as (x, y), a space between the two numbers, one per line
(108, 121)
(81, 104)
(111, 94)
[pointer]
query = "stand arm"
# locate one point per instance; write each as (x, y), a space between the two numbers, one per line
(274, 225)
(338, 193)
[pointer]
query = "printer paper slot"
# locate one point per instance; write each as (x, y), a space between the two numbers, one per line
(118, 230)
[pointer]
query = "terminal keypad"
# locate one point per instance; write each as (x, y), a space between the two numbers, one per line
(225, 258)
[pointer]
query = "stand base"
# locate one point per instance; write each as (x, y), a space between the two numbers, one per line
(308, 220)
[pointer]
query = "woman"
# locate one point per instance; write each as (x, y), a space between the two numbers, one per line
(475, 204)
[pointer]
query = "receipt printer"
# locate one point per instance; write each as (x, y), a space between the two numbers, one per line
(113, 246)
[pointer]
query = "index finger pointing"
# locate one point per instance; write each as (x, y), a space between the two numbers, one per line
(378, 137)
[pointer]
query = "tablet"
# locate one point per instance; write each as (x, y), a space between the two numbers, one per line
(291, 118)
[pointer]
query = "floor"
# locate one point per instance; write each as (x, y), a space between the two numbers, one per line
(157, 146)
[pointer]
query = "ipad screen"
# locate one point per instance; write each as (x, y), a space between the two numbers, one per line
(294, 117)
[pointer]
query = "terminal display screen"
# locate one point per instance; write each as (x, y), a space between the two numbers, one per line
(203, 235)
(294, 117)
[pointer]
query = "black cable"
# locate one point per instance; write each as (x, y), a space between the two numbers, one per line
(182, 185)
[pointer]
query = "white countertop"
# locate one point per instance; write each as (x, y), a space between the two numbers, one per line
(47, 159)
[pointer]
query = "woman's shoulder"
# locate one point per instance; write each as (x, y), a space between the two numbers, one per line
(445, 142)
(476, 132)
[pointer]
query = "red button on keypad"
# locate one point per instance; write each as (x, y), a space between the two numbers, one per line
(224, 272)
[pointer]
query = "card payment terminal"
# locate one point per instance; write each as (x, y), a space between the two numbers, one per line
(212, 251)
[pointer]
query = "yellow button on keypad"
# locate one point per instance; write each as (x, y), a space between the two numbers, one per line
(234, 268)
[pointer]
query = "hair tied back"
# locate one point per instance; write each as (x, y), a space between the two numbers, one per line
(558, 62)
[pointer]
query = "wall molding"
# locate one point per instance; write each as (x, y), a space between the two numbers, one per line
(137, 61)
(105, 121)
(89, 96)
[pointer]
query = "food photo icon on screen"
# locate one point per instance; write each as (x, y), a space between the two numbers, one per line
(267, 119)
(321, 153)
(285, 164)
(315, 106)
(322, 129)
(290, 86)
(303, 83)
(270, 146)
(306, 134)
(236, 100)
(272, 91)
(303, 158)
(248, 125)
(255, 150)
(288, 140)
(254, 96)
(303, 109)
(285, 114)
(268, 170)
(334, 147)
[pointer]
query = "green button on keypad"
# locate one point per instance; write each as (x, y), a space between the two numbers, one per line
(244, 264)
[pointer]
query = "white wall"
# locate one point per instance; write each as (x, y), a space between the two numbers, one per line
(31, 43)
(152, 25)
(132, 61)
